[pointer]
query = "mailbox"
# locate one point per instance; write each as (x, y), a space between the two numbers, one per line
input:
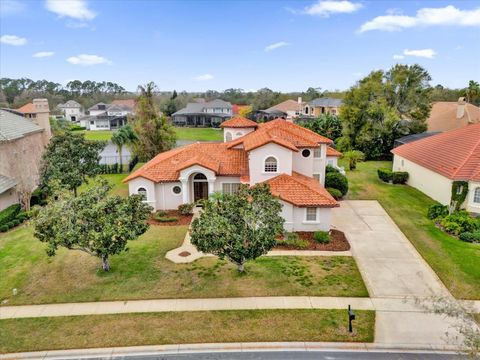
(351, 317)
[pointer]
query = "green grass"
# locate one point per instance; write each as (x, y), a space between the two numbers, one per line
(183, 133)
(34, 334)
(456, 263)
(144, 273)
(119, 188)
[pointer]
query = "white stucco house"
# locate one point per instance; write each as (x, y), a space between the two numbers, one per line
(434, 163)
(290, 158)
(72, 110)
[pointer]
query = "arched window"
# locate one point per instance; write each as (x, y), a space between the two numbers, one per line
(199, 176)
(476, 196)
(228, 136)
(270, 164)
(143, 193)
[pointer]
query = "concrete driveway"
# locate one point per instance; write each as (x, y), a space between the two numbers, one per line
(392, 268)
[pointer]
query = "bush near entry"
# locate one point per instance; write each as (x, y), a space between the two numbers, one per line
(321, 237)
(336, 194)
(337, 181)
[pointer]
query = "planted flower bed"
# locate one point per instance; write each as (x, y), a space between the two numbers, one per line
(334, 240)
(170, 218)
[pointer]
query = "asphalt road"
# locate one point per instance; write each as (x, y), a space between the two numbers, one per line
(296, 355)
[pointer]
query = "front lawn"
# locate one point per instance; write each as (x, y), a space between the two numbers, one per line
(144, 273)
(456, 263)
(183, 133)
(118, 188)
(34, 334)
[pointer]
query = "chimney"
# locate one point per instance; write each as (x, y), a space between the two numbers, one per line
(42, 117)
(461, 107)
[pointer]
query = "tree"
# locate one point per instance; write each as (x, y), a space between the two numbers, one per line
(239, 227)
(245, 111)
(124, 136)
(154, 133)
(472, 91)
(353, 156)
(327, 125)
(70, 160)
(93, 222)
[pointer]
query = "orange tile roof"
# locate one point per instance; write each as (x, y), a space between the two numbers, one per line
(333, 152)
(27, 109)
(166, 166)
(443, 116)
(239, 122)
(282, 132)
(301, 190)
(454, 154)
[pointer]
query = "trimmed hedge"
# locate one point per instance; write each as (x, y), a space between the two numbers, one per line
(186, 209)
(165, 219)
(399, 177)
(330, 169)
(336, 194)
(3, 228)
(337, 181)
(9, 214)
(470, 237)
(385, 174)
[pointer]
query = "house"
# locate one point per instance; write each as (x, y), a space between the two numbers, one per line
(71, 110)
(324, 105)
(27, 110)
(288, 157)
(129, 103)
(449, 115)
(288, 109)
(22, 142)
(107, 116)
(211, 113)
(435, 162)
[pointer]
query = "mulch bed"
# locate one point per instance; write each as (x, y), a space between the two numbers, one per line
(182, 219)
(338, 242)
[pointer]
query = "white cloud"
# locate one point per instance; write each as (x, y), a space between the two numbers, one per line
(11, 7)
(328, 7)
(88, 60)
(398, 57)
(43, 54)
(77, 9)
(276, 46)
(204, 77)
(13, 40)
(448, 15)
(425, 53)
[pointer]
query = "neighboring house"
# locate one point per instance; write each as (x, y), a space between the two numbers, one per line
(449, 115)
(434, 163)
(22, 142)
(320, 106)
(288, 109)
(414, 137)
(332, 159)
(211, 113)
(107, 116)
(27, 110)
(72, 110)
(129, 103)
(290, 158)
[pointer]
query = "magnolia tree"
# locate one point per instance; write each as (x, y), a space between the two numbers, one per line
(93, 222)
(239, 227)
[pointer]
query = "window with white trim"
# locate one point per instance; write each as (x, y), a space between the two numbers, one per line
(311, 214)
(143, 193)
(476, 196)
(317, 152)
(270, 164)
(230, 188)
(228, 136)
(330, 162)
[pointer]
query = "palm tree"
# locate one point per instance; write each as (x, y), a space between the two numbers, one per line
(472, 91)
(353, 156)
(124, 136)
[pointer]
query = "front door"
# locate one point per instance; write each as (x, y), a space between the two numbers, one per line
(200, 190)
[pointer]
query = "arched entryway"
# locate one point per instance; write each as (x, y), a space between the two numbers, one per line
(200, 187)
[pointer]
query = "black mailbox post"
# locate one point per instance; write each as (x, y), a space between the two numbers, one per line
(351, 317)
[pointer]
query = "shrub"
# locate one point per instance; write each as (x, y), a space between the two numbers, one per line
(337, 194)
(331, 169)
(321, 237)
(470, 236)
(337, 181)
(385, 175)
(292, 239)
(3, 228)
(22, 216)
(399, 177)
(10, 225)
(451, 227)
(165, 219)
(9, 214)
(33, 211)
(464, 220)
(186, 209)
(15, 222)
(38, 197)
(437, 211)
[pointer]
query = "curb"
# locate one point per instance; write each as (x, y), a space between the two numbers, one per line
(231, 347)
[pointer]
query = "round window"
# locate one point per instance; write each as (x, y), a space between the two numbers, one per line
(306, 153)
(177, 189)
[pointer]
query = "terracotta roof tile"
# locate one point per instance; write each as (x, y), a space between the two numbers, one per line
(454, 154)
(333, 152)
(239, 122)
(27, 109)
(301, 190)
(443, 116)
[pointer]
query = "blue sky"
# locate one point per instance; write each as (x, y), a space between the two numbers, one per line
(200, 45)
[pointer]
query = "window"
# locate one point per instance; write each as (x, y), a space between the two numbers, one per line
(330, 162)
(92, 122)
(228, 136)
(230, 188)
(317, 152)
(459, 190)
(476, 196)
(316, 177)
(143, 193)
(305, 153)
(177, 190)
(238, 134)
(334, 112)
(271, 164)
(311, 214)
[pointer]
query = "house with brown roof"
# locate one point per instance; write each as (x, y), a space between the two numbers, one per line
(288, 157)
(449, 115)
(288, 109)
(435, 162)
